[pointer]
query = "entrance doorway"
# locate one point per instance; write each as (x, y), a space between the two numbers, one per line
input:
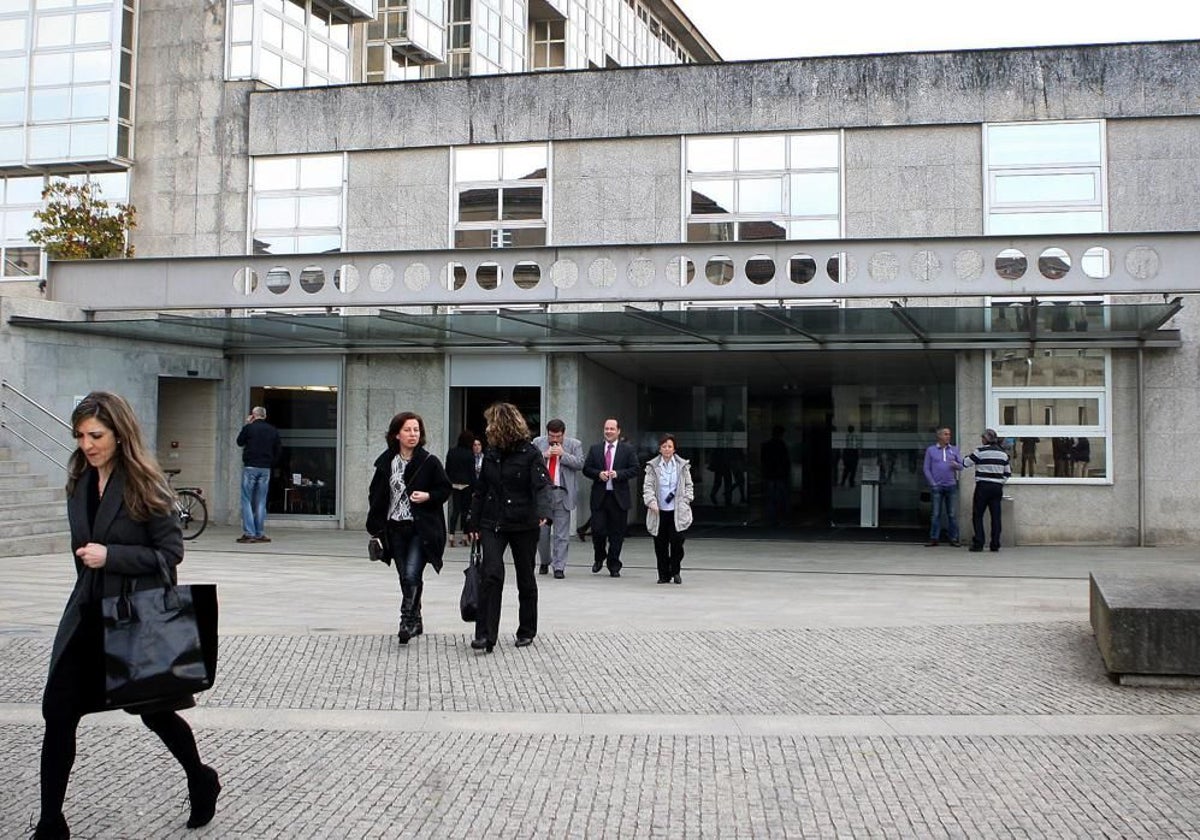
(798, 442)
(467, 406)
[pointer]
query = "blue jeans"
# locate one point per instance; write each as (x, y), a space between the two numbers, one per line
(947, 496)
(254, 499)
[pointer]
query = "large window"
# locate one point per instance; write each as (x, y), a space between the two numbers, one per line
(1045, 177)
(298, 204)
(1052, 409)
(65, 75)
(287, 43)
(772, 186)
(500, 196)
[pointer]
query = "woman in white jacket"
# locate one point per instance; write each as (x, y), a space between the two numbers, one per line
(668, 493)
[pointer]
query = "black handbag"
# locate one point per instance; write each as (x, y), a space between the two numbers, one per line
(468, 602)
(159, 643)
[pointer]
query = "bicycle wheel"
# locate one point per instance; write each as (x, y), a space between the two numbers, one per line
(192, 513)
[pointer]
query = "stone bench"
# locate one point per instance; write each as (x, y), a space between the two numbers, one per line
(1147, 623)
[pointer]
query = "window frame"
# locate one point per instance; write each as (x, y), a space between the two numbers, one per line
(494, 226)
(297, 194)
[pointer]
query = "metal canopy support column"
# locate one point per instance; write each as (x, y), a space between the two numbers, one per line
(766, 313)
(389, 315)
(909, 323)
(650, 318)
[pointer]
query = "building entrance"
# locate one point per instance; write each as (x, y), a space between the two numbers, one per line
(798, 442)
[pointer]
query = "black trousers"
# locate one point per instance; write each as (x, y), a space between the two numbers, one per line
(460, 508)
(668, 546)
(491, 588)
(76, 688)
(609, 524)
(987, 497)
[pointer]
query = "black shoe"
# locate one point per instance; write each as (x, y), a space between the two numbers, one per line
(597, 566)
(483, 645)
(404, 634)
(995, 548)
(614, 573)
(416, 629)
(677, 579)
(664, 580)
(524, 641)
(203, 794)
(976, 548)
(544, 569)
(55, 828)
(559, 574)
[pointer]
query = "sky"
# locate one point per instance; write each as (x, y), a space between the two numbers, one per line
(749, 29)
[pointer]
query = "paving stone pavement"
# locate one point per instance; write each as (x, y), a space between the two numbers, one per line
(845, 693)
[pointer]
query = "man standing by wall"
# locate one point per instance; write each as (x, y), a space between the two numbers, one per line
(261, 447)
(610, 465)
(564, 460)
(992, 469)
(942, 463)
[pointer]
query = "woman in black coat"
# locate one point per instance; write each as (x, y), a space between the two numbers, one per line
(123, 530)
(460, 468)
(510, 503)
(405, 514)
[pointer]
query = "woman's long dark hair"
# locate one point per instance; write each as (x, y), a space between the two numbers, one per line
(146, 490)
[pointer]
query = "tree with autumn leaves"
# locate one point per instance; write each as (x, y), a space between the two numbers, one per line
(77, 224)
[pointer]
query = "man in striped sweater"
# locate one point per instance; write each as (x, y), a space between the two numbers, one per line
(992, 469)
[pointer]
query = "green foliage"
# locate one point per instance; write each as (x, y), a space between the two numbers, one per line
(77, 224)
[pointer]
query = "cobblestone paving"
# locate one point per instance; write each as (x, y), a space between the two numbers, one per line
(1044, 668)
(319, 784)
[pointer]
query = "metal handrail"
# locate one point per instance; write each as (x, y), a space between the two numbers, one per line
(6, 410)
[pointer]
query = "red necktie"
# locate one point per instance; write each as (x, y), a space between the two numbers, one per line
(554, 469)
(608, 453)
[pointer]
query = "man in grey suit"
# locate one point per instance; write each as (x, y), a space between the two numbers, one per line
(564, 460)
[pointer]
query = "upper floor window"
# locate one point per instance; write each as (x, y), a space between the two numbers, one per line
(22, 197)
(297, 204)
(405, 37)
(287, 43)
(771, 186)
(1045, 177)
(500, 196)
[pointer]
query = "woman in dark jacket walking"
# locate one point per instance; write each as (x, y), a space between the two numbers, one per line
(122, 532)
(405, 514)
(510, 503)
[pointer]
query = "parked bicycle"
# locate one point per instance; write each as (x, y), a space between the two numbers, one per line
(190, 507)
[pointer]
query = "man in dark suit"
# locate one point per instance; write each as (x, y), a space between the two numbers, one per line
(610, 465)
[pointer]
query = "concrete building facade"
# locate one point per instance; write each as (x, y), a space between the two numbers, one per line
(855, 250)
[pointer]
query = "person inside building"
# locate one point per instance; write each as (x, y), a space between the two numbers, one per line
(405, 499)
(509, 506)
(667, 493)
(123, 528)
(460, 468)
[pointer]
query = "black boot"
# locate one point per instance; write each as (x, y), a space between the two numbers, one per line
(203, 791)
(404, 633)
(415, 626)
(52, 828)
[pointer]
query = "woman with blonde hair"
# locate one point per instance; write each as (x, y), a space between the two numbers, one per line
(123, 530)
(510, 503)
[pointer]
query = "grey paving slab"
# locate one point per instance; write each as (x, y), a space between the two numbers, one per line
(784, 690)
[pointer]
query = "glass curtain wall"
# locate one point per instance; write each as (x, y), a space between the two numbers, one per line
(807, 446)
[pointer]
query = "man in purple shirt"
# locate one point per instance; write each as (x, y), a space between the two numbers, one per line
(942, 465)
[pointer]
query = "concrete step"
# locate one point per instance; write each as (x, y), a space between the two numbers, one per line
(45, 494)
(56, 543)
(10, 467)
(25, 511)
(29, 527)
(23, 480)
